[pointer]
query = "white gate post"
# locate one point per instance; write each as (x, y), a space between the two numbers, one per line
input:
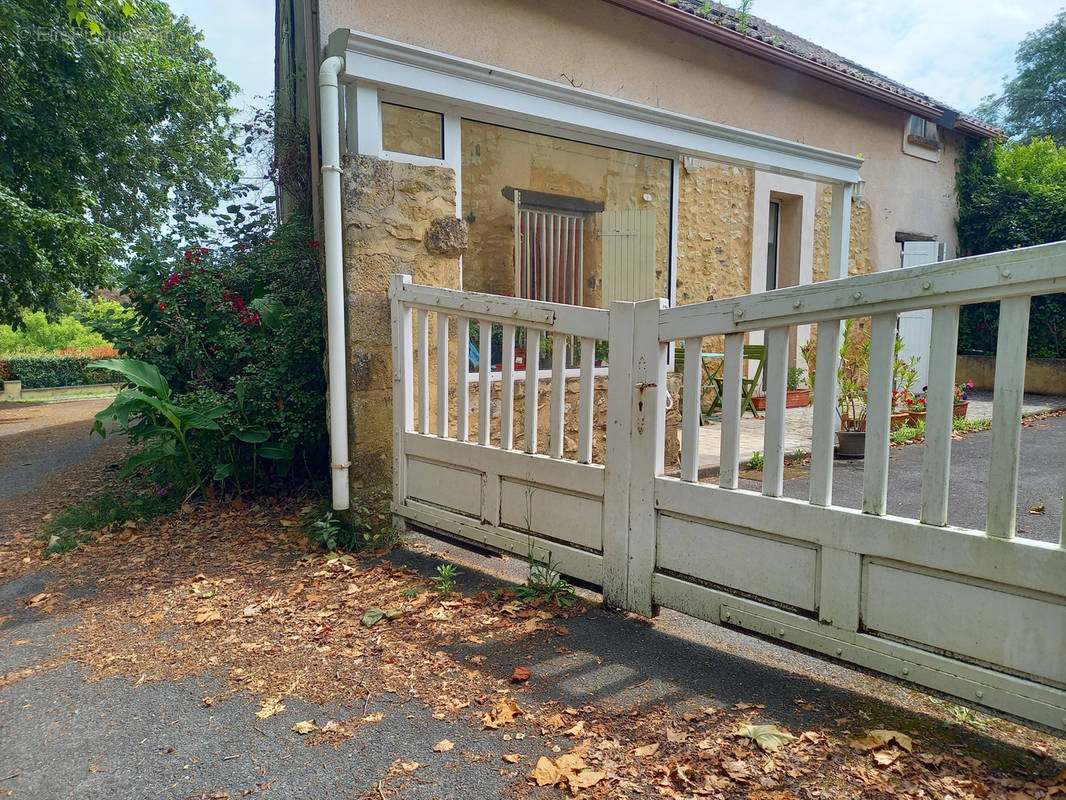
(403, 400)
(636, 408)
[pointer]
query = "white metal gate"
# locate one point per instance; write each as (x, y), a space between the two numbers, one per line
(975, 614)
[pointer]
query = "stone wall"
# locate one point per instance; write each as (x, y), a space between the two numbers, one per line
(389, 213)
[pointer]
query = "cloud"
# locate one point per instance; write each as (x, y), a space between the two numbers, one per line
(241, 35)
(956, 51)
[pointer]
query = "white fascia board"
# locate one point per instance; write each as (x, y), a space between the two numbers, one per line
(499, 95)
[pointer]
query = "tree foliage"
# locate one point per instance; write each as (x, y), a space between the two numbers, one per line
(108, 122)
(1033, 104)
(1013, 195)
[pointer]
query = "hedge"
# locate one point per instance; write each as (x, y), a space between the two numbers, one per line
(979, 327)
(45, 372)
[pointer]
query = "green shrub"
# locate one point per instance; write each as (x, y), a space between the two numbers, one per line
(235, 331)
(47, 371)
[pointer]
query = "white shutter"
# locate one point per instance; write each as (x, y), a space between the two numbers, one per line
(915, 326)
(628, 255)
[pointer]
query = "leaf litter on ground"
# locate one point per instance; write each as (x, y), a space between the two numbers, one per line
(289, 625)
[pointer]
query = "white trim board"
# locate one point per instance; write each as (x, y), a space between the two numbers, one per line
(505, 97)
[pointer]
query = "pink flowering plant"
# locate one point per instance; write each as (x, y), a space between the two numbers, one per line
(233, 329)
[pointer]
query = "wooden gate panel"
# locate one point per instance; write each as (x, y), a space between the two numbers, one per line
(990, 624)
(758, 564)
(558, 515)
(445, 485)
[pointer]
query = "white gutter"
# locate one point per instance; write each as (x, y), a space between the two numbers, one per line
(329, 109)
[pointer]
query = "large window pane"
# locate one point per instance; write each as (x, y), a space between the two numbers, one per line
(593, 223)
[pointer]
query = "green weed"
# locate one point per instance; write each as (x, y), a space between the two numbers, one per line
(366, 524)
(546, 584)
(757, 461)
(445, 579)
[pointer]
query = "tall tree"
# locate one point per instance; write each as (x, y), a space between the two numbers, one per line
(1033, 104)
(105, 129)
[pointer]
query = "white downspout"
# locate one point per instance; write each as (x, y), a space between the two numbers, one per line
(329, 110)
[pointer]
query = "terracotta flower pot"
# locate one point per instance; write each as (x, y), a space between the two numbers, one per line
(794, 398)
(914, 417)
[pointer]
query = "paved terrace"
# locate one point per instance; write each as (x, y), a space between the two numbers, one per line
(798, 423)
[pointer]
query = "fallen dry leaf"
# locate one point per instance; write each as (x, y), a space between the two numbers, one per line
(270, 707)
(554, 722)
(737, 770)
(512, 758)
(520, 675)
(410, 766)
(377, 716)
(570, 768)
(768, 737)
(646, 750)
(208, 617)
(503, 712)
(884, 758)
(881, 738)
(545, 773)
(305, 727)
(443, 746)
(1037, 509)
(576, 731)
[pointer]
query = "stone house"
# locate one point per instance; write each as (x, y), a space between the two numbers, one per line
(603, 150)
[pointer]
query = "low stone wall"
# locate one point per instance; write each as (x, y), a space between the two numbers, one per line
(1042, 375)
(12, 390)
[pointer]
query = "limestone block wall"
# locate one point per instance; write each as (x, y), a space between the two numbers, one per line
(389, 208)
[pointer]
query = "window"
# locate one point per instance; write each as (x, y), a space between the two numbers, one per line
(412, 131)
(921, 138)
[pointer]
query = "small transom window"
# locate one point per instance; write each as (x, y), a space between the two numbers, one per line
(412, 131)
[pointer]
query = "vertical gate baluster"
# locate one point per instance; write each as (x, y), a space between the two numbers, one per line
(1007, 417)
(532, 387)
(878, 414)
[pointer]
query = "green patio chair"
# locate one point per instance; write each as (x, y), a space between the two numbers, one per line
(748, 386)
(756, 353)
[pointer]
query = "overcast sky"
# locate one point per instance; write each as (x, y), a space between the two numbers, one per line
(957, 51)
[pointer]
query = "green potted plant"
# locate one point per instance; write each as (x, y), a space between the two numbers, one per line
(852, 378)
(904, 374)
(962, 399)
(799, 394)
